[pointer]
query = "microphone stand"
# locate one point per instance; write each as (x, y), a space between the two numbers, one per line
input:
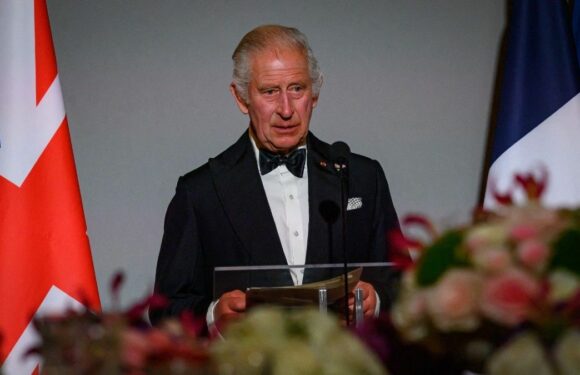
(329, 211)
(343, 205)
(339, 152)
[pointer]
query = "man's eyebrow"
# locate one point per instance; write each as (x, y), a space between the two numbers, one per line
(268, 86)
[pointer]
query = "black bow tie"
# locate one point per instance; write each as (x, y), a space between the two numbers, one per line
(294, 161)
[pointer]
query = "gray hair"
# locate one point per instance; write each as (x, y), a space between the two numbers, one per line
(265, 37)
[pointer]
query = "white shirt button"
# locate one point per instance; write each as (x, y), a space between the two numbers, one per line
(291, 196)
(296, 233)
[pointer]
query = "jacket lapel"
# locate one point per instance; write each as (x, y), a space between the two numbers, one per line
(239, 187)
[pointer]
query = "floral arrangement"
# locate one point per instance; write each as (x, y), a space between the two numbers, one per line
(498, 296)
(121, 342)
(302, 341)
(501, 295)
(268, 340)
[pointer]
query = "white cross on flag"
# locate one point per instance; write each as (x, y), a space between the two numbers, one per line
(45, 259)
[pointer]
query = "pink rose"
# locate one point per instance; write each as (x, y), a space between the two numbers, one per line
(134, 349)
(158, 341)
(492, 260)
(509, 297)
(533, 253)
(522, 232)
(452, 303)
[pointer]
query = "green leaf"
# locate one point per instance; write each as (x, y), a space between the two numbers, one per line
(567, 252)
(439, 257)
(575, 214)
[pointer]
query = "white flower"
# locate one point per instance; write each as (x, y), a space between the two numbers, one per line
(563, 285)
(523, 355)
(567, 353)
(485, 236)
(283, 342)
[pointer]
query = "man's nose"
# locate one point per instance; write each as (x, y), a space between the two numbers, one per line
(285, 108)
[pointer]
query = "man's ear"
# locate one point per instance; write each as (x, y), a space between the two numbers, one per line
(239, 100)
(314, 101)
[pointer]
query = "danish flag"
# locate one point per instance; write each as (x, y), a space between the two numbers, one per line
(45, 259)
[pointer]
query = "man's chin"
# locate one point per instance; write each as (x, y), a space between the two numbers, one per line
(284, 144)
(286, 148)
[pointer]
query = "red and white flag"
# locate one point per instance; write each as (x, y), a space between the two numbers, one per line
(45, 258)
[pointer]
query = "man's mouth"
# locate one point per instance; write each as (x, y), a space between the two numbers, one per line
(285, 129)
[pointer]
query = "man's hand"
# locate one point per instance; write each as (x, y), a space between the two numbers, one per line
(369, 300)
(231, 306)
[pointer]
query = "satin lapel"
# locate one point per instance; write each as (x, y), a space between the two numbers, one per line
(238, 184)
(323, 184)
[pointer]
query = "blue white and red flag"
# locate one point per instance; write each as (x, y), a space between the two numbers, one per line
(538, 123)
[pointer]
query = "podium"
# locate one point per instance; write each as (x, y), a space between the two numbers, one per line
(322, 286)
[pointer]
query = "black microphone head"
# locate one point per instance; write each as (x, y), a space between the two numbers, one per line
(329, 210)
(339, 151)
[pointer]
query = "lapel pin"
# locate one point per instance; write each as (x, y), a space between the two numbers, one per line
(323, 163)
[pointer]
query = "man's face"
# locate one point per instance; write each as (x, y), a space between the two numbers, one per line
(280, 99)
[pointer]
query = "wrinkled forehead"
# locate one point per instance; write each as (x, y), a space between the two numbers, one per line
(277, 50)
(279, 63)
(277, 57)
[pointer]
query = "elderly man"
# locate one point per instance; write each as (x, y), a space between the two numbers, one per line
(257, 203)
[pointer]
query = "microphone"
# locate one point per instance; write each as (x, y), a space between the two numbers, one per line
(339, 152)
(329, 211)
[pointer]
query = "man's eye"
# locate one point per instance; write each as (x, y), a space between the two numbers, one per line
(269, 91)
(296, 88)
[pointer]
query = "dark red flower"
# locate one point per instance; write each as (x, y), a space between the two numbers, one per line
(399, 249)
(421, 222)
(192, 325)
(532, 185)
(503, 198)
(116, 283)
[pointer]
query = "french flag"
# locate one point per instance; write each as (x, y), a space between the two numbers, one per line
(538, 123)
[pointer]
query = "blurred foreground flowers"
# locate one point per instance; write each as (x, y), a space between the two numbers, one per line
(268, 341)
(278, 342)
(122, 342)
(110, 344)
(500, 295)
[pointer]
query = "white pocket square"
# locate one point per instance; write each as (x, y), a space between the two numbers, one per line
(354, 203)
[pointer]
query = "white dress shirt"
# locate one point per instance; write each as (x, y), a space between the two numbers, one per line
(288, 200)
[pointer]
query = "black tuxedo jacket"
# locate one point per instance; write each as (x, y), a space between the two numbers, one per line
(220, 216)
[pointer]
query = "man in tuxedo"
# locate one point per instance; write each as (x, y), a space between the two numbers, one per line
(258, 202)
